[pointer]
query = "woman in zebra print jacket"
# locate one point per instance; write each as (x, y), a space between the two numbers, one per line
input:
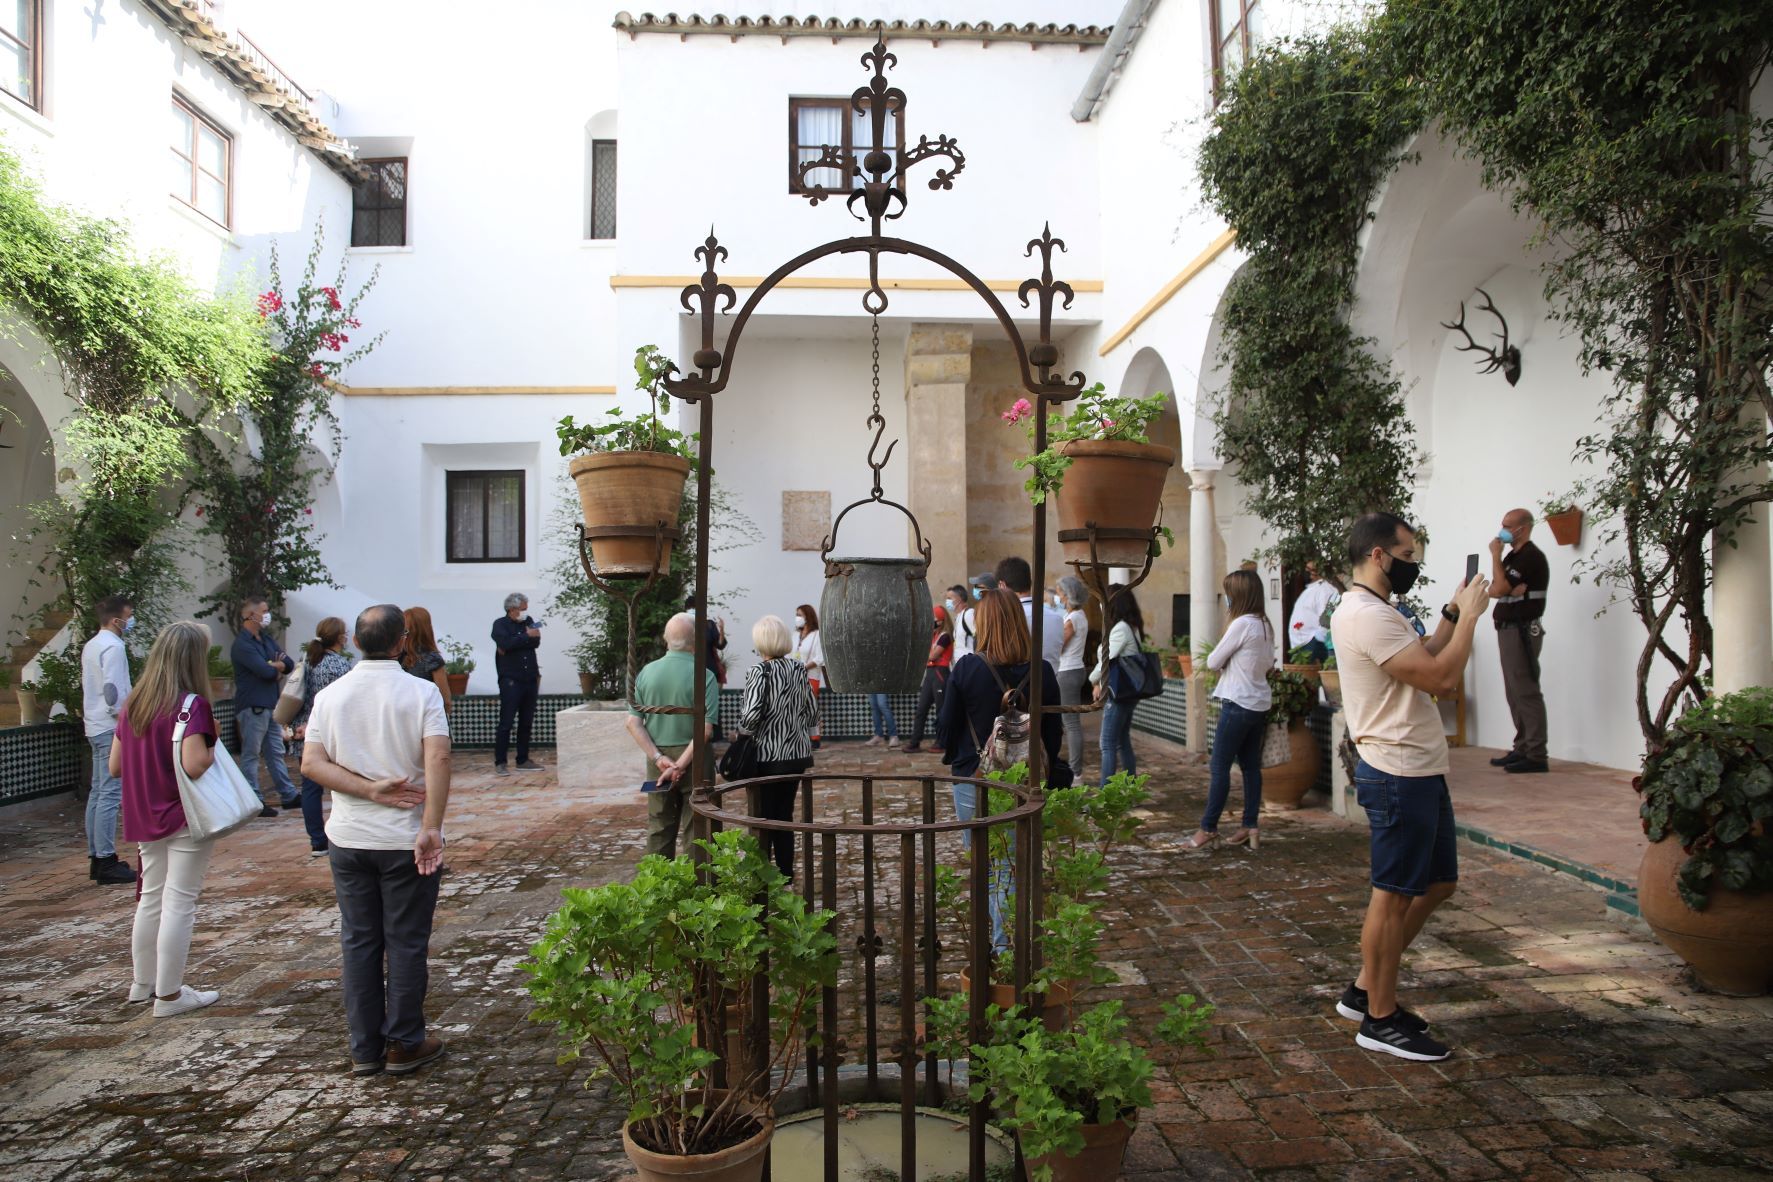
(780, 714)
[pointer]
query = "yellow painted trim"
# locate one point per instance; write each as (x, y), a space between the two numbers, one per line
(416, 391)
(838, 283)
(1215, 248)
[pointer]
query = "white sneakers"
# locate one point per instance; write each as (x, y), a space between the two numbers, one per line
(188, 999)
(139, 993)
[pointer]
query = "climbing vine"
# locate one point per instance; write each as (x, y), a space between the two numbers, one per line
(1314, 422)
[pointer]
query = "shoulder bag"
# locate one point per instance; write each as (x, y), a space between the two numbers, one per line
(1135, 676)
(220, 800)
(293, 697)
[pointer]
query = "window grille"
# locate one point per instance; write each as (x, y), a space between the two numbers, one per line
(603, 189)
(378, 206)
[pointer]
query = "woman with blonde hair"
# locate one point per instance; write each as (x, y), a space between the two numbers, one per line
(1242, 659)
(324, 662)
(171, 689)
(779, 714)
(422, 658)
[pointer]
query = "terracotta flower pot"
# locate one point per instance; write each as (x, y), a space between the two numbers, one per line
(1055, 1015)
(1099, 1160)
(1729, 944)
(1566, 527)
(629, 490)
(1285, 785)
(1331, 680)
(1116, 485)
(1185, 665)
(220, 689)
(458, 684)
(738, 1163)
(1310, 673)
(587, 684)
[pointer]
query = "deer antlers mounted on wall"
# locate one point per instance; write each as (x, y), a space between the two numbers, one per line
(1507, 358)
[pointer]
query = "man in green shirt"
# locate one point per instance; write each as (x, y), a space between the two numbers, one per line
(666, 738)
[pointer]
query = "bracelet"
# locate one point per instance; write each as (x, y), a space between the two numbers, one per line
(1449, 613)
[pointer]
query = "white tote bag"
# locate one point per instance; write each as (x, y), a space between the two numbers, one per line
(1277, 745)
(293, 696)
(220, 800)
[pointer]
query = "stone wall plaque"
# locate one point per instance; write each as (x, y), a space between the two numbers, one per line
(806, 519)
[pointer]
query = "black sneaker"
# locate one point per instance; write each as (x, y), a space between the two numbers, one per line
(1505, 760)
(1525, 766)
(500, 769)
(112, 872)
(1393, 1037)
(267, 811)
(1353, 1006)
(528, 765)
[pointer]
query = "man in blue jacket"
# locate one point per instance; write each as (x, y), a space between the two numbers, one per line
(516, 637)
(260, 664)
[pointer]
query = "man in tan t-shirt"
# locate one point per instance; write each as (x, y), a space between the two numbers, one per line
(1388, 674)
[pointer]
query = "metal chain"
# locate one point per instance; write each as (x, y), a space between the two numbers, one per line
(876, 419)
(876, 369)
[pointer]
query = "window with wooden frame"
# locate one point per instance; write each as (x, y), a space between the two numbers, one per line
(21, 51)
(814, 123)
(485, 512)
(603, 189)
(202, 163)
(378, 205)
(1237, 27)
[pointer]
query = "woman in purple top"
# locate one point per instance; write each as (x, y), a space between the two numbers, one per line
(172, 863)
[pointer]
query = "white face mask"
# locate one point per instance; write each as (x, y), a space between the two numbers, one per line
(800, 623)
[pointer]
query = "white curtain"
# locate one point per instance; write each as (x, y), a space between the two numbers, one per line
(504, 529)
(814, 128)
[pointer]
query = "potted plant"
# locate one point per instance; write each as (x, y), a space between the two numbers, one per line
(221, 675)
(1330, 678)
(57, 684)
(1301, 661)
(1565, 521)
(1072, 1096)
(1706, 883)
(629, 971)
(457, 666)
(1295, 696)
(1113, 476)
(1184, 646)
(630, 472)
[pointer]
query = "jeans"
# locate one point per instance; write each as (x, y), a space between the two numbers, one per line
(929, 695)
(884, 725)
(1074, 691)
(1117, 740)
(517, 700)
(312, 817)
(1002, 874)
(172, 877)
(260, 735)
(385, 910)
(103, 800)
(1238, 740)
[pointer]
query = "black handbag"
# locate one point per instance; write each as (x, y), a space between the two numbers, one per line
(1136, 676)
(739, 762)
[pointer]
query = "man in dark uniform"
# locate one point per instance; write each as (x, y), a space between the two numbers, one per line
(1518, 583)
(516, 637)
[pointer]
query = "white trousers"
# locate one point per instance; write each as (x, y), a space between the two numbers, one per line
(172, 878)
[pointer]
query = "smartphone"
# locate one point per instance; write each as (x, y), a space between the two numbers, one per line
(1471, 567)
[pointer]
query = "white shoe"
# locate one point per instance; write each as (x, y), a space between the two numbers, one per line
(874, 742)
(188, 999)
(139, 993)
(893, 743)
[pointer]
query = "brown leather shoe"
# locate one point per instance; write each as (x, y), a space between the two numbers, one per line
(401, 1060)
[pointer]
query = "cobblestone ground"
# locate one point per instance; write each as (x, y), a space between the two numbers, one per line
(1584, 1050)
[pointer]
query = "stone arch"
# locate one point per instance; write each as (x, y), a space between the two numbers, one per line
(1164, 594)
(34, 408)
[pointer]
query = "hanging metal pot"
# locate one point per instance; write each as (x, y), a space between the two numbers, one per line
(874, 616)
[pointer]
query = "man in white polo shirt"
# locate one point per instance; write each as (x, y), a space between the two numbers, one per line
(1388, 675)
(378, 740)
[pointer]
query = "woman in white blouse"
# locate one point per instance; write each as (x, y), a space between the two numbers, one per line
(1242, 659)
(1073, 677)
(1126, 635)
(809, 650)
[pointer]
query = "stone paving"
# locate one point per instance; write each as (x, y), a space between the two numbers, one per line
(1584, 1050)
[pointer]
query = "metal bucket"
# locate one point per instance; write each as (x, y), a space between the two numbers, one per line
(874, 619)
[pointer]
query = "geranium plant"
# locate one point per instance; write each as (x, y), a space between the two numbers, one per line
(460, 658)
(1097, 415)
(626, 432)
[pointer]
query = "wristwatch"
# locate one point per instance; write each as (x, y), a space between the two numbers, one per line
(1450, 613)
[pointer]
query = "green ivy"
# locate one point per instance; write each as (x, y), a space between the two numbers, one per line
(1315, 424)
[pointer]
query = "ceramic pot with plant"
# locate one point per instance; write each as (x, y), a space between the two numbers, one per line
(630, 972)
(1330, 678)
(458, 663)
(1295, 695)
(221, 674)
(1184, 646)
(630, 472)
(1706, 883)
(1301, 660)
(1565, 523)
(1111, 474)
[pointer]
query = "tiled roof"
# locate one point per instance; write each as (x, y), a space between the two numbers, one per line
(1084, 36)
(257, 77)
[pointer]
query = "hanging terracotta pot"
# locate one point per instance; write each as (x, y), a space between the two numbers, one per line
(1729, 944)
(737, 1163)
(1100, 1158)
(1285, 785)
(1115, 485)
(630, 492)
(1566, 526)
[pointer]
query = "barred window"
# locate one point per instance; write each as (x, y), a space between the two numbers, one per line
(603, 189)
(21, 51)
(485, 516)
(1237, 27)
(202, 162)
(378, 206)
(815, 123)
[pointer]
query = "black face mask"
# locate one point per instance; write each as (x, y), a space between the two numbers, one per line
(1402, 575)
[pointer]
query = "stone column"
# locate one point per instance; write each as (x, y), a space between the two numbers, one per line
(1203, 597)
(938, 363)
(1742, 612)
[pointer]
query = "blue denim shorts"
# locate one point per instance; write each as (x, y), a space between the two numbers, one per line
(1411, 822)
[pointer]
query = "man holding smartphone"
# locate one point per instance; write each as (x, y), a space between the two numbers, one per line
(516, 638)
(1518, 582)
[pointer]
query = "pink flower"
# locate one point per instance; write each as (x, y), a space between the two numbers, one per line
(315, 371)
(200, 510)
(1021, 410)
(332, 297)
(1108, 424)
(308, 512)
(269, 302)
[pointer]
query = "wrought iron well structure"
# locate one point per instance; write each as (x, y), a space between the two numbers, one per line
(904, 832)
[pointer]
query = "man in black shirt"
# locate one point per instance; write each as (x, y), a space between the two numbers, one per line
(1518, 583)
(517, 637)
